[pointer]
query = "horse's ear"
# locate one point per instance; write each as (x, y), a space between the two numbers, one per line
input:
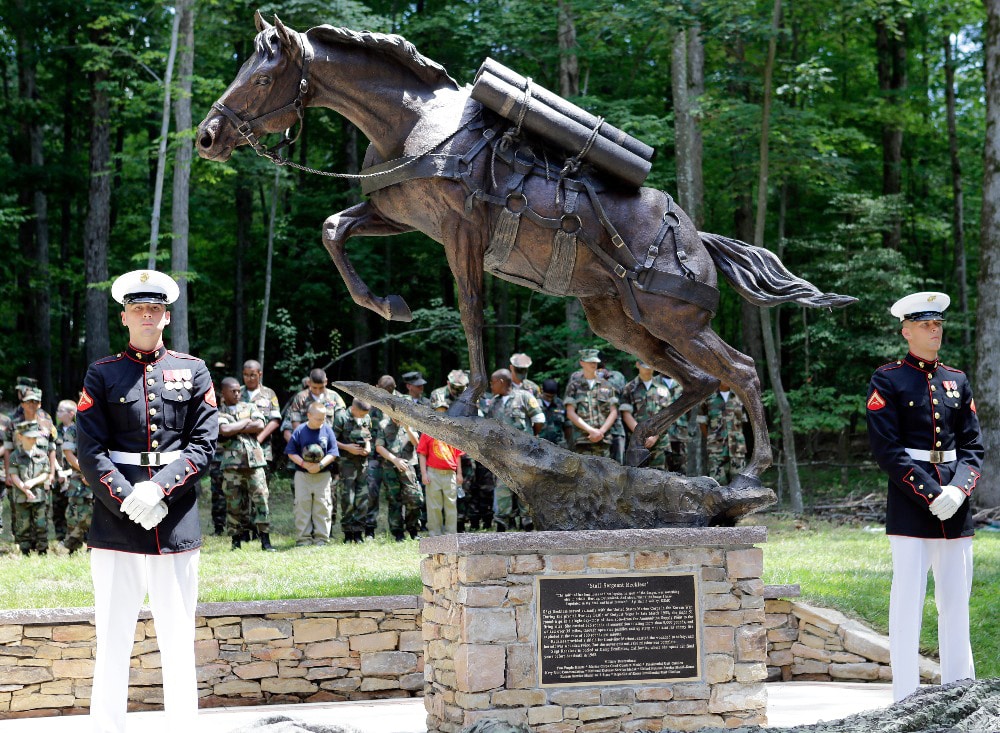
(258, 19)
(284, 34)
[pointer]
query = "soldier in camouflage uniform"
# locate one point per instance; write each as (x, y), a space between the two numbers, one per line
(556, 428)
(643, 397)
(30, 410)
(30, 475)
(373, 472)
(722, 425)
(243, 481)
(267, 403)
(519, 409)
(353, 428)
(617, 380)
(458, 380)
(316, 392)
(395, 444)
(519, 364)
(6, 428)
(79, 499)
(591, 407)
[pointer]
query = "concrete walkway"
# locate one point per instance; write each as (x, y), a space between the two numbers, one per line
(789, 703)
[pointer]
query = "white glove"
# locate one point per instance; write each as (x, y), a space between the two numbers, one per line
(145, 495)
(947, 503)
(152, 516)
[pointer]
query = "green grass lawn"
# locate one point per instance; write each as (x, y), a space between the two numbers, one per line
(847, 568)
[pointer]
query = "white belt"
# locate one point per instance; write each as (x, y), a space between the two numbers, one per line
(932, 456)
(144, 459)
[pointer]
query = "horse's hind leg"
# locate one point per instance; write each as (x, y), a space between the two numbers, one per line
(605, 316)
(690, 330)
(362, 220)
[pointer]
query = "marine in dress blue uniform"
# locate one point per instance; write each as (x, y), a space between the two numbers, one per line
(147, 427)
(924, 433)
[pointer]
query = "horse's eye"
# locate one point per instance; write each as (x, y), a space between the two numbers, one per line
(262, 80)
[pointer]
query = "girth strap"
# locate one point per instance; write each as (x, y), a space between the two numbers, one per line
(677, 286)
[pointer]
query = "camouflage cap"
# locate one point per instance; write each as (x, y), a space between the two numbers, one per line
(26, 382)
(29, 429)
(521, 361)
(31, 394)
(313, 453)
(438, 401)
(590, 355)
(643, 364)
(458, 378)
(414, 378)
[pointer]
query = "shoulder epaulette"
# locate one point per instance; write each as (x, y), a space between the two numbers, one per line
(182, 355)
(890, 365)
(109, 359)
(951, 369)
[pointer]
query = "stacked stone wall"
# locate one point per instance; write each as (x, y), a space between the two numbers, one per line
(809, 643)
(247, 654)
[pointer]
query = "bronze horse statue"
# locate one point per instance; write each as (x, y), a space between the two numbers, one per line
(441, 163)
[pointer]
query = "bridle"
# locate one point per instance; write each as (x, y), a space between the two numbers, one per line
(247, 128)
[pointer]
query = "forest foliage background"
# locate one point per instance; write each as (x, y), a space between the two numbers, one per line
(869, 192)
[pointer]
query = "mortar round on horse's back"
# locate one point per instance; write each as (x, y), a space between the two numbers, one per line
(501, 194)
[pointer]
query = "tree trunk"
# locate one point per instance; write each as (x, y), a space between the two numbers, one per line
(36, 231)
(267, 267)
(696, 89)
(182, 177)
(988, 342)
(569, 70)
(687, 79)
(770, 346)
(97, 226)
(682, 119)
(68, 327)
(958, 200)
(244, 220)
(161, 159)
(890, 44)
(569, 86)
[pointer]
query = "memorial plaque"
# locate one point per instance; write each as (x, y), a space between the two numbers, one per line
(615, 629)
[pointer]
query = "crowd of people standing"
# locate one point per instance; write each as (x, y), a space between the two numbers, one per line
(352, 457)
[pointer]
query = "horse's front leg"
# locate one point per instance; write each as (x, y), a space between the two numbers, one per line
(363, 220)
(465, 258)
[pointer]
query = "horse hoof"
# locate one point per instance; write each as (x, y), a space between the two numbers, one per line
(636, 456)
(398, 309)
(745, 481)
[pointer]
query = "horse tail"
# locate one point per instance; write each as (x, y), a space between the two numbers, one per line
(759, 276)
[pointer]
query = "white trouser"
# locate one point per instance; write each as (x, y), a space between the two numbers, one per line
(121, 580)
(951, 561)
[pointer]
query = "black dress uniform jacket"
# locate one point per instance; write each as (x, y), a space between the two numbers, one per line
(146, 402)
(927, 406)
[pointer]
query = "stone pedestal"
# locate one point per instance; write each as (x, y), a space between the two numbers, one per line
(485, 650)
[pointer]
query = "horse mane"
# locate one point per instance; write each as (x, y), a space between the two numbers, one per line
(390, 44)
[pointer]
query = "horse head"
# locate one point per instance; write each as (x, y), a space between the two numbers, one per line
(267, 96)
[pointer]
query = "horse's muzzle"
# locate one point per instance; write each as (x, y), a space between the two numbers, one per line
(210, 143)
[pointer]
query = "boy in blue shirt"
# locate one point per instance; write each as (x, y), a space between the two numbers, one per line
(312, 448)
